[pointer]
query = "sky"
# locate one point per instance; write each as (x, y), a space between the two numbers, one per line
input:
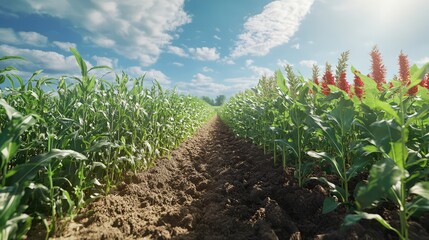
(211, 47)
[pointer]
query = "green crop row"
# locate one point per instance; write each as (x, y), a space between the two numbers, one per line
(370, 127)
(68, 140)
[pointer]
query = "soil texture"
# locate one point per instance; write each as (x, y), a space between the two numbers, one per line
(216, 186)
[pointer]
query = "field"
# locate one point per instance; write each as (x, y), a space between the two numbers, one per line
(292, 158)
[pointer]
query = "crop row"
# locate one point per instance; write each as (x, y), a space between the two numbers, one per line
(372, 128)
(65, 141)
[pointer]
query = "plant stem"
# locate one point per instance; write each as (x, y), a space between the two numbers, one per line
(402, 207)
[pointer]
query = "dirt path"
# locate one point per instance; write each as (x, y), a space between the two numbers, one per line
(215, 186)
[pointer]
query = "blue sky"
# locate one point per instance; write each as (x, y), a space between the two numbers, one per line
(210, 47)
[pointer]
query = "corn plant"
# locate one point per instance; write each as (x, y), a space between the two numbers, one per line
(393, 177)
(370, 127)
(109, 127)
(296, 130)
(337, 128)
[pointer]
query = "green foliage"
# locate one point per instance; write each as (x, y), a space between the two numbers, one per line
(384, 135)
(63, 147)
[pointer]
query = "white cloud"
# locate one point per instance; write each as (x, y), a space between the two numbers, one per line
(158, 76)
(207, 69)
(202, 85)
(422, 61)
(239, 84)
(201, 78)
(308, 63)
(46, 60)
(230, 62)
(101, 41)
(204, 53)
(217, 37)
(151, 75)
(217, 29)
(227, 60)
(282, 63)
(274, 26)
(178, 64)
(33, 38)
(177, 50)
(261, 71)
(258, 71)
(134, 29)
(104, 61)
(8, 35)
(296, 46)
(64, 45)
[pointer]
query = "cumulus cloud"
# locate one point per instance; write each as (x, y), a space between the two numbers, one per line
(104, 61)
(228, 60)
(257, 70)
(134, 29)
(204, 53)
(177, 51)
(282, 62)
(228, 86)
(46, 60)
(151, 74)
(217, 37)
(64, 45)
(202, 85)
(308, 63)
(201, 78)
(274, 26)
(158, 76)
(8, 35)
(207, 69)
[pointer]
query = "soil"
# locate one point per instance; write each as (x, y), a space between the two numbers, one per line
(217, 186)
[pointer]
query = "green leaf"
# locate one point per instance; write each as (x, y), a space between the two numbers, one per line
(328, 132)
(281, 81)
(370, 86)
(354, 218)
(334, 189)
(370, 149)
(13, 222)
(413, 69)
(421, 72)
(421, 189)
(343, 115)
(7, 69)
(80, 62)
(100, 67)
(399, 153)
(11, 57)
(421, 113)
(382, 176)
(382, 133)
(384, 106)
(329, 205)
(288, 145)
(28, 171)
(10, 111)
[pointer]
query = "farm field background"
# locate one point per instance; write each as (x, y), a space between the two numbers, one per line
(119, 140)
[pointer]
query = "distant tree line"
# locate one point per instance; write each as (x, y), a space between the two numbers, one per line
(219, 100)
